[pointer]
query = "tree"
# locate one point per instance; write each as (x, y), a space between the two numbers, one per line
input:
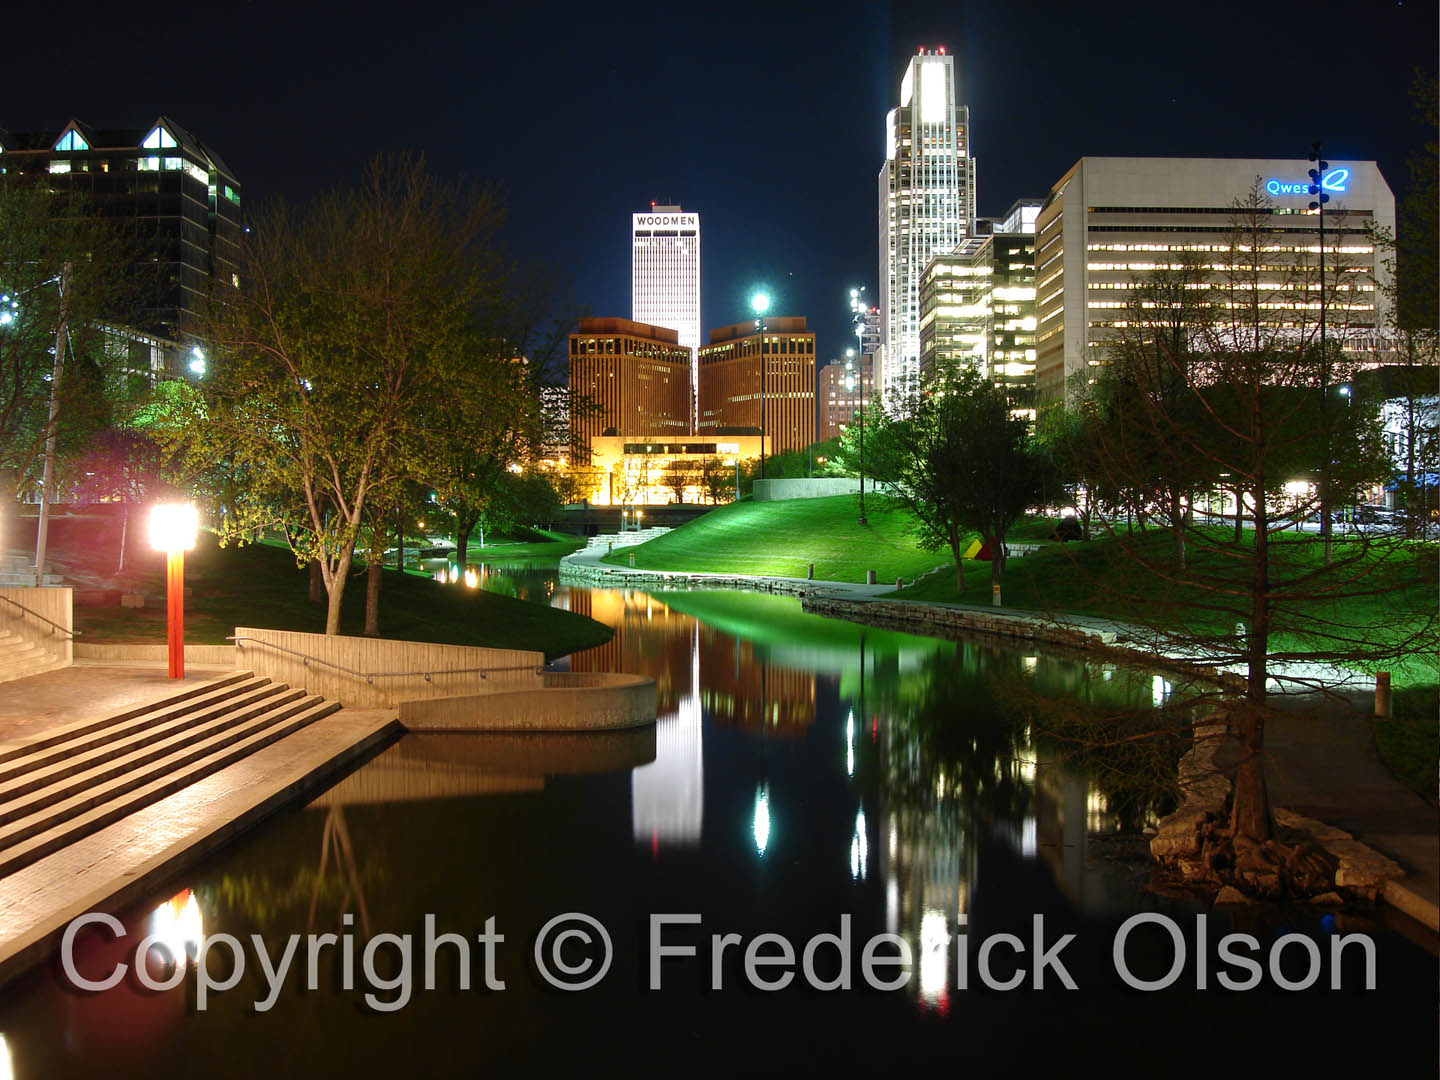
(121, 465)
(1140, 396)
(717, 479)
(960, 461)
(331, 357)
(678, 476)
(63, 275)
(1248, 405)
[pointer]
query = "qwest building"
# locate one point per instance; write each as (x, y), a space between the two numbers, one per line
(927, 206)
(1109, 222)
(665, 277)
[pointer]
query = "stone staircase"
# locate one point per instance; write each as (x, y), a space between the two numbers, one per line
(20, 656)
(70, 783)
(18, 572)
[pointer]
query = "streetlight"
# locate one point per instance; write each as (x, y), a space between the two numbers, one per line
(172, 530)
(859, 315)
(760, 303)
(197, 362)
(1317, 189)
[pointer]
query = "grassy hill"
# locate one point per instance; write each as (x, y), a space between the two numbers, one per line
(260, 585)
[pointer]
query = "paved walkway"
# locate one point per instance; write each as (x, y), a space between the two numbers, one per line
(32, 706)
(1322, 762)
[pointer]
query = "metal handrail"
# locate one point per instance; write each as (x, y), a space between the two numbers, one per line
(371, 676)
(36, 615)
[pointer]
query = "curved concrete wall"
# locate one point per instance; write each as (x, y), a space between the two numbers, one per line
(568, 701)
(817, 487)
(452, 668)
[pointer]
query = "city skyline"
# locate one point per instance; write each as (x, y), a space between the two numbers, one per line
(783, 167)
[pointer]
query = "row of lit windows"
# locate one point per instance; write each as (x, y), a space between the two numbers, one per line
(1314, 249)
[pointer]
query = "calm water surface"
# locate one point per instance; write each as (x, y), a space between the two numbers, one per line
(802, 771)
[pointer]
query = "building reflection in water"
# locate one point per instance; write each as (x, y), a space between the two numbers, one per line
(668, 795)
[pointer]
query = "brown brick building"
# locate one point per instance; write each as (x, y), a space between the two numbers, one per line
(637, 376)
(730, 382)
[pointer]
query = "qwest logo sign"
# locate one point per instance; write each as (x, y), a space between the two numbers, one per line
(1334, 180)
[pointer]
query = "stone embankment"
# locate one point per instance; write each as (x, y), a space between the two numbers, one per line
(1183, 840)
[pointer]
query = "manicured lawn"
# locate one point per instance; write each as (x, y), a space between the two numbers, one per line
(1409, 742)
(259, 585)
(781, 539)
(552, 545)
(1098, 578)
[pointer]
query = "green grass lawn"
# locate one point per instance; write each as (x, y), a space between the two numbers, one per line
(259, 585)
(1409, 742)
(781, 539)
(551, 545)
(1097, 578)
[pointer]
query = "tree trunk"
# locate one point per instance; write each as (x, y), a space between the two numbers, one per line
(372, 596)
(1239, 513)
(317, 583)
(124, 531)
(1250, 815)
(959, 570)
(1177, 530)
(336, 588)
(997, 564)
(463, 529)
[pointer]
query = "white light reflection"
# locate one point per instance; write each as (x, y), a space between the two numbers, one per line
(850, 744)
(762, 818)
(668, 794)
(176, 925)
(934, 955)
(7, 1071)
(1159, 691)
(859, 848)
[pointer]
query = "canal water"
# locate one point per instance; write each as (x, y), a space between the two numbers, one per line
(858, 795)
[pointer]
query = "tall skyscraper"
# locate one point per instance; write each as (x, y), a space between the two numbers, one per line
(665, 279)
(927, 206)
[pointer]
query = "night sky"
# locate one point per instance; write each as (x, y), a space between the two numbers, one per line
(767, 119)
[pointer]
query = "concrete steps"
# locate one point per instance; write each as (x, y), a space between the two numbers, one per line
(20, 657)
(18, 572)
(67, 785)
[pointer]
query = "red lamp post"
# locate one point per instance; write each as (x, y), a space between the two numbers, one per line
(173, 527)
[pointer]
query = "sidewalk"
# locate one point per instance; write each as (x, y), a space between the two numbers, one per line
(1322, 763)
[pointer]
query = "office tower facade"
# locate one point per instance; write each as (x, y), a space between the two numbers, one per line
(1012, 304)
(926, 206)
(1109, 223)
(955, 310)
(665, 277)
(635, 377)
(733, 382)
(171, 195)
(840, 388)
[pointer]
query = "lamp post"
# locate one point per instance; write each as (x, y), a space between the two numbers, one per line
(42, 526)
(760, 303)
(1317, 189)
(858, 316)
(172, 530)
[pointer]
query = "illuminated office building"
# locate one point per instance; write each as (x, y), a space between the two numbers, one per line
(1110, 222)
(635, 377)
(665, 276)
(172, 197)
(734, 387)
(926, 206)
(840, 388)
(955, 310)
(1012, 305)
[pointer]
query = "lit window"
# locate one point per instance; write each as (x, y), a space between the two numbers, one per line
(59, 166)
(149, 164)
(158, 139)
(72, 140)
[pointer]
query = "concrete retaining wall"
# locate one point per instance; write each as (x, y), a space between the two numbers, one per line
(208, 655)
(55, 604)
(568, 701)
(937, 621)
(391, 671)
(817, 487)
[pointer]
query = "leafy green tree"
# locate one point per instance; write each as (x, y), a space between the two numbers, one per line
(63, 274)
(352, 317)
(961, 462)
